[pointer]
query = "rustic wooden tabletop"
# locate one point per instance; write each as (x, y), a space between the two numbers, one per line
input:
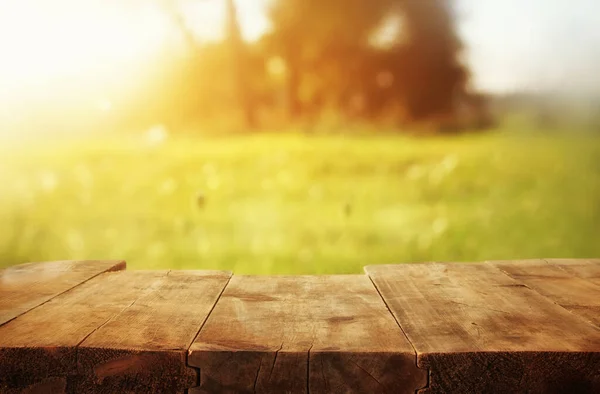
(528, 326)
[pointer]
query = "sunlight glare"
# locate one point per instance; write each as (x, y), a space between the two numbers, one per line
(43, 42)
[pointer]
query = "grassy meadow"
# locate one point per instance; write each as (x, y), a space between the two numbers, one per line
(300, 204)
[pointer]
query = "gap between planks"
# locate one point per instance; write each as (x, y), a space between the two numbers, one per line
(424, 284)
(274, 323)
(578, 293)
(428, 370)
(114, 265)
(187, 352)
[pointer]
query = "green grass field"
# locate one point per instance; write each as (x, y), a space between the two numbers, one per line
(294, 204)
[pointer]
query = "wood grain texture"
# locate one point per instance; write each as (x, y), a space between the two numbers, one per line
(588, 269)
(559, 284)
(43, 343)
(283, 334)
(144, 347)
(480, 331)
(25, 286)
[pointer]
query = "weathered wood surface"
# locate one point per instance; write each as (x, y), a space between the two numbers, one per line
(25, 286)
(497, 327)
(558, 281)
(145, 346)
(586, 269)
(123, 331)
(479, 331)
(300, 334)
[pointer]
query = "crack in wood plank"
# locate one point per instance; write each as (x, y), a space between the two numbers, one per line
(274, 361)
(308, 368)
(103, 324)
(428, 371)
(187, 352)
(367, 372)
(114, 332)
(479, 307)
(209, 313)
(117, 265)
(258, 372)
(326, 381)
(573, 295)
(193, 294)
(529, 343)
(477, 344)
(305, 342)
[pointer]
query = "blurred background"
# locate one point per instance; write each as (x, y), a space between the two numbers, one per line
(298, 136)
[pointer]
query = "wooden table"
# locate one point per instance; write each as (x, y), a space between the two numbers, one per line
(495, 327)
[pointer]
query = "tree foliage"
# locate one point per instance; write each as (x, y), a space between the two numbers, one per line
(362, 59)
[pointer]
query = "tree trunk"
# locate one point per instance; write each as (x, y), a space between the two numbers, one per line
(294, 107)
(240, 65)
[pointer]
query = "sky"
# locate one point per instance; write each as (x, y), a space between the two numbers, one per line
(543, 45)
(548, 45)
(532, 44)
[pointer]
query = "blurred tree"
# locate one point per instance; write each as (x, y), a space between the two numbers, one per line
(321, 43)
(239, 63)
(332, 58)
(432, 76)
(396, 59)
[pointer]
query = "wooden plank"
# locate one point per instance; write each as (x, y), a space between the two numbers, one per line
(323, 334)
(144, 348)
(588, 269)
(41, 346)
(580, 296)
(25, 286)
(480, 331)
